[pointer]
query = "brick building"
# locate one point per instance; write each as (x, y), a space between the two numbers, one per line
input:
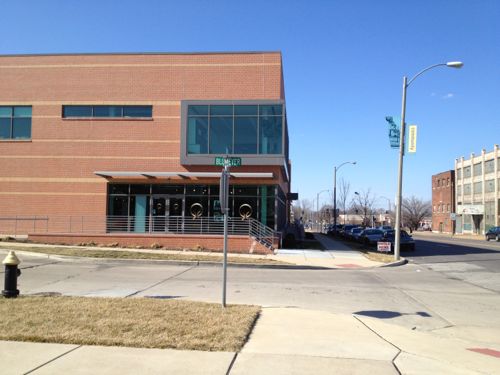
(443, 202)
(121, 147)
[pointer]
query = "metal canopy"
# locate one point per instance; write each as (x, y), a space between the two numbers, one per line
(184, 175)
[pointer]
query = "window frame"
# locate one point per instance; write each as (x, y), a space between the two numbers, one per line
(12, 119)
(256, 158)
(122, 116)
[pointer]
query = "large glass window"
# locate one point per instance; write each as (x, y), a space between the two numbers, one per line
(221, 135)
(478, 169)
(270, 135)
(467, 189)
(15, 122)
(103, 111)
(489, 166)
(459, 173)
(129, 204)
(467, 172)
(235, 129)
(245, 135)
(478, 187)
(197, 137)
(489, 186)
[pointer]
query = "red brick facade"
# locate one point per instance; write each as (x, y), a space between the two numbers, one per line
(443, 201)
(53, 172)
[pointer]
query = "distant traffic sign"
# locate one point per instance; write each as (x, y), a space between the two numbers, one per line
(384, 247)
(232, 162)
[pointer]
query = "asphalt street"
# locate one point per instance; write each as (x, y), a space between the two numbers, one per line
(442, 286)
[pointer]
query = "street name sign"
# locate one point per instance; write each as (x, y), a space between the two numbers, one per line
(394, 131)
(232, 162)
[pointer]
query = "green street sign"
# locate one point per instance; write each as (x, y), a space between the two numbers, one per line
(232, 162)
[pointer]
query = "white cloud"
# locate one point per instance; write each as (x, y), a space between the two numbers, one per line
(448, 96)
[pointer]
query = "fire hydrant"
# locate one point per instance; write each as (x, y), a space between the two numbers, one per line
(11, 262)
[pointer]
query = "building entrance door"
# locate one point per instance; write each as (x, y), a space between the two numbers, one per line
(165, 214)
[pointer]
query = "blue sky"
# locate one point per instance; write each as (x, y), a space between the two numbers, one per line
(343, 66)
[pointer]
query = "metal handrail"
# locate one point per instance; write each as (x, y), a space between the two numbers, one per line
(139, 224)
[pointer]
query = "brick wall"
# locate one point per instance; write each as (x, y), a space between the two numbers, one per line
(53, 173)
(236, 244)
(443, 201)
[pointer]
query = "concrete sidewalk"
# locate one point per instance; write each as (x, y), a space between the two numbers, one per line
(284, 341)
(335, 255)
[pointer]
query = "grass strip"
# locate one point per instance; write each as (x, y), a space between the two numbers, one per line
(124, 254)
(368, 253)
(134, 322)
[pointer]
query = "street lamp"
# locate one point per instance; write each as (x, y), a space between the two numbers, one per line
(406, 83)
(388, 205)
(317, 204)
(335, 192)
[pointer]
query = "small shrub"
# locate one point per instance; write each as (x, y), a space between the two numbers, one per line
(156, 246)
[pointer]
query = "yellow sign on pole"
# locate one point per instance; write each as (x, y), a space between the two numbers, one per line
(412, 139)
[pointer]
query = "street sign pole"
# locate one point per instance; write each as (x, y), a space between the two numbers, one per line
(224, 202)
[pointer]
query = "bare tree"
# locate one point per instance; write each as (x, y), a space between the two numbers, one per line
(303, 209)
(414, 210)
(363, 204)
(344, 189)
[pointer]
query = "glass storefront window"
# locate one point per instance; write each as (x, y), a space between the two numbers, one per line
(168, 189)
(145, 207)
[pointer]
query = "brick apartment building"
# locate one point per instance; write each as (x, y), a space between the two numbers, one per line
(443, 201)
(121, 147)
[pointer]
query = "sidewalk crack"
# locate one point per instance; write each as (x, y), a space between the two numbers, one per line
(52, 360)
(387, 341)
(160, 282)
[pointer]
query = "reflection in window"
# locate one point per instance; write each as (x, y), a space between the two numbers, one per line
(197, 135)
(245, 135)
(270, 135)
(221, 135)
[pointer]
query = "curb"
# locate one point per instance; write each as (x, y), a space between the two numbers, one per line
(169, 262)
(400, 262)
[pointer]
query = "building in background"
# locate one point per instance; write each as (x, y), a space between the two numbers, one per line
(443, 202)
(478, 192)
(121, 147)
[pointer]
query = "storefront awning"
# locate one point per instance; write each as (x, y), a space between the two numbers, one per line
(184, 175)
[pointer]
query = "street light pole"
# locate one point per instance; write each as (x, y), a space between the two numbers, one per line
(317, 205)
(335, 192)
(406, 83)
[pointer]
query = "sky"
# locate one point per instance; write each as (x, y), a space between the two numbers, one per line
(343, 63)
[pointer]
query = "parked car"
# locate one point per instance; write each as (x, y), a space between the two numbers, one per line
(332, 230)
(407, 243)
(385, 228)
(354, 233)
(493, 234)
(370, 236)
(344, 232)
